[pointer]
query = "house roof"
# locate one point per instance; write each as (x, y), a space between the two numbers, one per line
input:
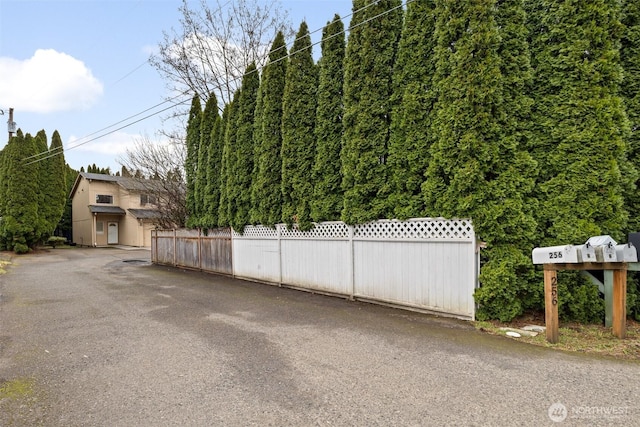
(115, 210)
(145, 213)
(100, 177)
(131, 184)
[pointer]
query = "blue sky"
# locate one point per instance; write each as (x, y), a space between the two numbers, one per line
(80, 66)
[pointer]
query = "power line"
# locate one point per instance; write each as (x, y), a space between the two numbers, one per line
(48, 156)
(51, 153)
(351, 27)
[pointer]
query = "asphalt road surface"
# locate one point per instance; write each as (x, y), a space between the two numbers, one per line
(89, 339)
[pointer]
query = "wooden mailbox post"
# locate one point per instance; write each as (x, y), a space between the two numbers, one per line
(619, 300)
(599, 253)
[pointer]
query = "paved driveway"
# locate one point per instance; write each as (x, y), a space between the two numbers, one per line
(89, 339)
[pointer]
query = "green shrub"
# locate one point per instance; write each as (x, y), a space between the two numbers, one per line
(56, 241)
(20, 248)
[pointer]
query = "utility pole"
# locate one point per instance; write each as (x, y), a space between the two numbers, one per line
(11, 125)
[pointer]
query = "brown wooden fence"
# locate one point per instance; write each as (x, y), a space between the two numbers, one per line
(193, 249)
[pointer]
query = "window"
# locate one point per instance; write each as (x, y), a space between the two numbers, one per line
(99, 227)
(104, 198)
(147, 199)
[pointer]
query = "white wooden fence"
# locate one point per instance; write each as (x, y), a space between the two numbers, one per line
(425, 264)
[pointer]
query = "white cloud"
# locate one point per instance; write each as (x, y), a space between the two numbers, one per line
(114, 144)
(48, 81)
(150, 49)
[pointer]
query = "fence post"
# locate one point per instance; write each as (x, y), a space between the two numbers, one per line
(175, 247)
(279, 228)
(352, 269)
(200, 249)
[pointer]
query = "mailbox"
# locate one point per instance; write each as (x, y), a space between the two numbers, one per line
(605, 248)
(587, 252)
(565, 254)
(601, 240)
(626, 253)
(606, 253)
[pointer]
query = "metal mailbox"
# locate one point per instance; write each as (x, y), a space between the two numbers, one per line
(601, 240)
(564, 254)
(626, 253)
(587, 252)
(605, 248)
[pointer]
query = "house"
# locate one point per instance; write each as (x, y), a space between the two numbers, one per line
(112, 210)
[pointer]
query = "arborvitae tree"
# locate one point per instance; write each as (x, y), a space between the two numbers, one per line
(478, 168)
(298, 121)
(413, 98)
(19, 225)
(42, 170)
(3, 195)
(257, 147)
(630, 58)
(229, 126)
(191, 161)
(56, 190)
(266, 192)
(582, 125)
(240, 164)
(207, 122)
(64, 227)
(583, 130)
(326, 204)
(370, 55)
(214, 170)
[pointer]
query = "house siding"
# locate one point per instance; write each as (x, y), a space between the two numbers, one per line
(131, 231)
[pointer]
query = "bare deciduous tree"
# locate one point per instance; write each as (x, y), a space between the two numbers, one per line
(215, 44)
(163, 165)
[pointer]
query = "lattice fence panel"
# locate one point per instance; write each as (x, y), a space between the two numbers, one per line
(323, 230)
(435, 229)
(224, 233)
(256, 232)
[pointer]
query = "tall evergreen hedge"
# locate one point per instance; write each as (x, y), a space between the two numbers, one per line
(214, 162)
(370, 55)
(240, 164)
(56, 189)
(229, 138)
(326, 204)
(19, 226)
(207, 122)
(478, 168)
(266, 191)
(298, 122)
(191, 161)
(582, 122)
(413, 98)
(630, 59)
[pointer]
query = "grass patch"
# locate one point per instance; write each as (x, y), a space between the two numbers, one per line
(16, 389)
(578, 338)
(4, 261)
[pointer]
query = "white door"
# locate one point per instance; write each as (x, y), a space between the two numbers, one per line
(112, 236)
